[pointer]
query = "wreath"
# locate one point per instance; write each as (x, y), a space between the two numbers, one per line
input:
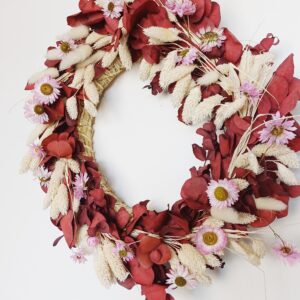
(232, 92)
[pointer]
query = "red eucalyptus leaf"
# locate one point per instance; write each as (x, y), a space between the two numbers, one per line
(143, 276)
(154, 292)
(199, 152)
(161, 254)
(122, 217)
(193, 188)
(286, 69)
(233, 48)
(148, 243)
(290, 102)
(66, 224)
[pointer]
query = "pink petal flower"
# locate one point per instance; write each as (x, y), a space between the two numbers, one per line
(187, 56)
(123, 251)
(43, 175)
(209, 239)
(80, 185)
(93, 241)
(278, 131)
(287, 253)
(181, 7)
(211, 38)
(37, 151)
(250, 91)
(79, 257)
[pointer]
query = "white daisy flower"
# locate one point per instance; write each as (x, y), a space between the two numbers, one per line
(35, 112)
(180, 277)
(222, 193)
(66, 46)
(46, 90)
(113, 8)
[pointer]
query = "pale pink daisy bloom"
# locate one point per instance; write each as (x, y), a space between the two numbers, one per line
(180, 277)
(250, 91)
(187, 56)
(210, 239)
(278, 131)
(66, 46)
(78, 256)
(123, 251)
(211, 38)
(37, 151)
(80, 185)
(287, 253)
(222, 193)
(93, 241)
(46, 90)
(113, 8)
(181, 7)
(43, 175)
(35, 112)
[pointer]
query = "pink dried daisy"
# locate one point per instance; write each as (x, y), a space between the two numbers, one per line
(113, 8)
(250, 90)
(278, 131)
(37, 151)
(93, 241)
(78, 256)
(287, 253)
(43, 175)
(222, 193)
(80, 185)
(66, 46)
(187, 56)
(46, 90)
(181, 7)
(35, 112)
(209, 239)
(123, 251)
(211, 38)
(180, 277)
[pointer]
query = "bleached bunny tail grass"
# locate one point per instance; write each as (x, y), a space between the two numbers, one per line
(78, 78)
(92, 60)
(124, 54)
(209, 78)
(93, 37)
(92, 92)
(76, 56)
(230, 215)
(162, 35)
(72, 109)
(286, 175)
(241, 247)
(204, 109)
(281, 152)
(242, 184)
(115, 262)
(55, 181)
(180, 90)
(82, 240)
(52, 72)
(76, 33)
(73, 165)
(25, 163)
(37, 131)
(170, 61)
(144, 70)
(190, 257)
(90, 108)
(171, 76)
(213, 261)
(190, 104)
(254, 165)
(108, 58)
(60, 203)
(103, 271)
(102, 42)
(89, 73)
(210, 221)
(53, 54)
(269, 203)
(174, 261)
(229, 109)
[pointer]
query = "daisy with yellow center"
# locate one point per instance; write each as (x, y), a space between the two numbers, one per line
(35, 112)
(113, 8)
(180, 278)
(123, 251)
(65, 47)
(209, 239)
(210, 38)
(222, 193)
(46, 90)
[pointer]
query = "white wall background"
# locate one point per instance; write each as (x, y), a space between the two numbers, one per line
(143, 149)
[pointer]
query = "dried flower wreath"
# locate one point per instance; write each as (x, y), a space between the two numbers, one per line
(248, 150)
